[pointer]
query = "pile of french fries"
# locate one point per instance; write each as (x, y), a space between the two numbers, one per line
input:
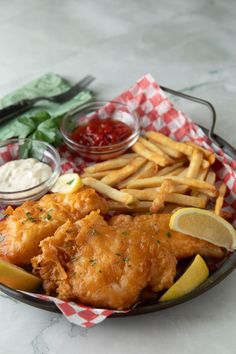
(157, 174)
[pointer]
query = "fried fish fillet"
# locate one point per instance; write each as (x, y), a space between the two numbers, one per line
(24, 228)
(157, 225)
(102, 265)
(110, 264)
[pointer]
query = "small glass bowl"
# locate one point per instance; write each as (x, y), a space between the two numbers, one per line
(15, 149)
(100, 109)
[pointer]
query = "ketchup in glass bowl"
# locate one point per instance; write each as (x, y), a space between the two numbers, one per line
(100, 130)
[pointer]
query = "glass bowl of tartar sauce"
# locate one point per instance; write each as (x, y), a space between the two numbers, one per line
(28, 169)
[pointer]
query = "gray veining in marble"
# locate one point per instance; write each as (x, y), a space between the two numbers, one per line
(187, 45)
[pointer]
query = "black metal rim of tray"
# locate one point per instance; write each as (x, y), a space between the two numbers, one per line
(228, 266)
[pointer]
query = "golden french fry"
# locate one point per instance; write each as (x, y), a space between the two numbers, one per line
(195, 164)
(211, 177)
(190, 182)
(159, 201)
(220, 199)
(184, 172)
(134, 208)
(110, 164)
(168, 150)
(201, 176)
(210, 156)
(168, 169)
(98, 175)
(152, 147)
(187, 200)
(176, 172)
(150, 155)
(166, 141)
(147, 170)
(108, 191)
(142, 194)
(119, 175)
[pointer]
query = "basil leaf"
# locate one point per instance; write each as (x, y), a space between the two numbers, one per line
(40, 117)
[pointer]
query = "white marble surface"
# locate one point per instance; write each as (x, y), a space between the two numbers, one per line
(186, 45)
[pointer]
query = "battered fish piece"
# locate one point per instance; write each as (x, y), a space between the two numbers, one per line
(178, 244)
(24, 228)
(103, 265)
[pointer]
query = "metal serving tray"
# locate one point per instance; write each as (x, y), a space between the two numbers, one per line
(216, 277)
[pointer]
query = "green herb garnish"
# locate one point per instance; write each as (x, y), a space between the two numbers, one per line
(93, 232)
(93, 262)
(49, 217)
(126, 259)
(70, 182)
(158, 241)
(125, 233)
(118, 254)
(30, 217)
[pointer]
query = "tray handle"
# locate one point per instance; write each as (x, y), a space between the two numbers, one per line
(202, 102)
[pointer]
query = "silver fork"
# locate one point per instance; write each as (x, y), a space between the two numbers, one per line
(25, 104)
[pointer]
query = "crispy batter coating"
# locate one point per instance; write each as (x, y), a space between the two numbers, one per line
(22, 231)
(180, 245)
(112, 264)
(102, 265)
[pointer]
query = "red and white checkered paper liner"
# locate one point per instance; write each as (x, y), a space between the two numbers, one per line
(156, 112)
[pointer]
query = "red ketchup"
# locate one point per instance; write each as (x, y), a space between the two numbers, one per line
(101, 132)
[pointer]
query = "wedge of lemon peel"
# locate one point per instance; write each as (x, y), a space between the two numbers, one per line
(205, 225)
(67, 183)
(17, 278)
(195, 275)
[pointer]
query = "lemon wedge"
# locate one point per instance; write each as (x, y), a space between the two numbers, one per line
(205, 225)
(195, 275)
(17, 278)
(67, 183)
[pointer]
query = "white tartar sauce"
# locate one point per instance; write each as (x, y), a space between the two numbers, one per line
(22, 174)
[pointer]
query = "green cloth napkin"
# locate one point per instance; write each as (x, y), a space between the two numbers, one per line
(47, 85)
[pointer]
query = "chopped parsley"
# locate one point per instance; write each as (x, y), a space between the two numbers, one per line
(125, 233)
(30, 217)
(126, 259)
(158, 241)
(168, 234)
(70, 182)
(93, 232)
(93, 262)
(5, 215)
(48, 217)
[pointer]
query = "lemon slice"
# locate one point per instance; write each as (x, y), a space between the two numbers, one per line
(17, 278)
(67, 183)
(195, 275)
(205, 225)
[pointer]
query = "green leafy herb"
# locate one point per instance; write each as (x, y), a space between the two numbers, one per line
(125, 233)
(30, 217)
(158, 241)
(40, 126)
(49, 217)
(70, 182)
(149, 212)
(5, 215)
(168, 234)
(93, 232)
(126, 259)
(93, 262)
